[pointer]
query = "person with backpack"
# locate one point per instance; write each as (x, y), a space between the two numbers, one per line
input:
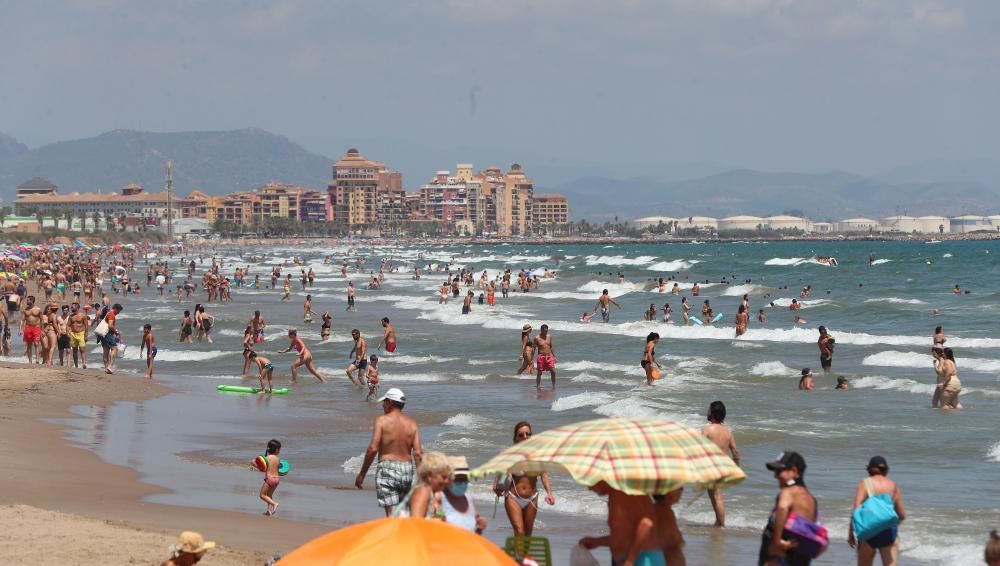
(878, 509)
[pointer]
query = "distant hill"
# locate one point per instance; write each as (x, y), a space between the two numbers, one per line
(213, 162)
(820, 196)
(9, 147)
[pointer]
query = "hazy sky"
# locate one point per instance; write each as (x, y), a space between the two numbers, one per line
(613, 86)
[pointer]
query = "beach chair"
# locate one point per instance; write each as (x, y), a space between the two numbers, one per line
(535, 547)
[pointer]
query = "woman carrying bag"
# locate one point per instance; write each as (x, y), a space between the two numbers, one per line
(878, 510)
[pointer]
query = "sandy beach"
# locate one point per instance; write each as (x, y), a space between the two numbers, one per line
(75, 508)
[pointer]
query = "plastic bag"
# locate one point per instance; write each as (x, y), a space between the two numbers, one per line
(580, 556)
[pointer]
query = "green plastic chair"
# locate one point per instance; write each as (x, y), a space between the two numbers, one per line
(536, 547)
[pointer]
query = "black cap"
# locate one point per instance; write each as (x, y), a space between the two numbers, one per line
(806, 371)
(878, 462)
(788, 460)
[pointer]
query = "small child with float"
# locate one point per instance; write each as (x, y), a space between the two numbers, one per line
(273, 467)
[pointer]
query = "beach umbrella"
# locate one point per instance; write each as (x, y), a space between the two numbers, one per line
(400, 542)
(636, 456)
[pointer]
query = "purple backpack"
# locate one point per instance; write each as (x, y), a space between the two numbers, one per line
(811, 537)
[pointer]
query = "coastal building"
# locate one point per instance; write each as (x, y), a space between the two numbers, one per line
(934, 224)
(970, 223)
(741, 222)
(132, 202)
(653, 221)
(821, 227)
(698, 223)
(900, 223)
(364, 193)
(994, 221)
(36, 186)
(858, 225)
(549, 214)
(787, 222)
(444, 199)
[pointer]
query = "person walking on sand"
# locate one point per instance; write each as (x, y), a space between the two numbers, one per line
(648, 362)
(546, 361)
(360, 353)
(388, 337)
(717, 431)
(520, 491)
(396, 442)
(305, 356)
(31, 329)
(825, 344)
(264, 369)
(78, 324)
(271, 476)
(604, 303)
(886, 542)
(110, 340)
(149, 345)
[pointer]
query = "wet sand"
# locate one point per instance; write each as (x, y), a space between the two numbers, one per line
(51, 476)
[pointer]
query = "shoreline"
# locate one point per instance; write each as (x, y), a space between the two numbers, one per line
(53, 475)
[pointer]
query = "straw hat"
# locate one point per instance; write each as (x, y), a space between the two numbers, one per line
(192, 543)
(526, 328)
(459, 465)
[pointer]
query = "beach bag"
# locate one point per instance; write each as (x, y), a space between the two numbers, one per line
(102, 328)
(811, 537)
(876, 514)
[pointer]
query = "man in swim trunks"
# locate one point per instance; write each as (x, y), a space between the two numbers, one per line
(78, 324)
(604, 303)
(825, 344)
(396, 442)
(31, 328)
(389, 338)
(546, 356)
(360, 353)
(62, 342)
(350, 295)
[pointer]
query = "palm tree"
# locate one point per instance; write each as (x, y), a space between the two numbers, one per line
(69, 215)
(97, 220)
(41, 218)
(4, 212)
(83, 221)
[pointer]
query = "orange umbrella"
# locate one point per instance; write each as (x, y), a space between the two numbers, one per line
(398, 541)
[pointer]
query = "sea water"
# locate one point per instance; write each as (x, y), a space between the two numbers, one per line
(459, 375)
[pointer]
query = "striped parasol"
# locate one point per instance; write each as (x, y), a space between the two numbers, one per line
(636, 456)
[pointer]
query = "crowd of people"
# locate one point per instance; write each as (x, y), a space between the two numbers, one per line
(409, 482)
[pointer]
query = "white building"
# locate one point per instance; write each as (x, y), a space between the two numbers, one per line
(651, 221)
(696, 222)
(900, 223)
(821, 227)
(858, 225)
(785, 222)
(742, 222)
(934, 224)
(970, 223)
(994, 221)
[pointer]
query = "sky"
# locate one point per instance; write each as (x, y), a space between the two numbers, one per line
(567, 88)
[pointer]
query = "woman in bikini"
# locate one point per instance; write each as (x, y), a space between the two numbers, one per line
(742, 319)
(649, 363)
(948, 384)
(520, 491)
(527, 351)
(205, 322)
(305, 356)
(324, 332)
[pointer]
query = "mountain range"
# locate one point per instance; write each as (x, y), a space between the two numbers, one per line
(218, 162)
(213, 162)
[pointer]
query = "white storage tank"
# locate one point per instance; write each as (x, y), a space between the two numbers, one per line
(970, 223)
(858, 225)
(783, 221)
(742, 223)
(697, 222)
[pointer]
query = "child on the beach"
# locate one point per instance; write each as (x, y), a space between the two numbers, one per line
(585, 317)
(264, 368)
(271, 476)
(667, 311)
(761, 317)
(372, 378)
(149, 344)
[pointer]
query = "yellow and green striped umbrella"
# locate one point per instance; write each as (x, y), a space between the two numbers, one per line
(636, 456)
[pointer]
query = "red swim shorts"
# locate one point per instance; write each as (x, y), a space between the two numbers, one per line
(390, 347)
(546, 362)
(32, 334)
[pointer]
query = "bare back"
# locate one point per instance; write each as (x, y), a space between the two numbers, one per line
(398, 437)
